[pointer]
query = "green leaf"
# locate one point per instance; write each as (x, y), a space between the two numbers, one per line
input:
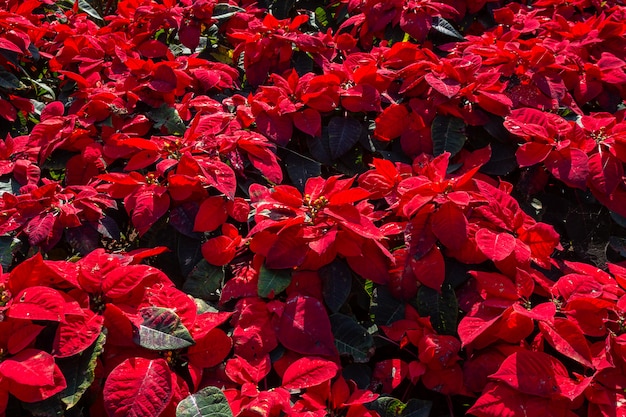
(79, 371)
(417, 408)
(618, 244)
(392, 407)
(8, 247)
(320, 148)
(301, 168)
(188, 252)
(619, 219)
(387, 406)
(444, 27)
(320, 16)
(50, 407)
(8, 81)
(209, 401)
(223, 11)
(385, 308)
(448, 135)
(46, 88)
(351, 339)
(87, 8)
(161, 329)
(273, 281)
(343, 134)
(441, 308)
(281, 8)
(336, 284)
(167, 116)
(204, 281)
(9, 186)
(502, 161)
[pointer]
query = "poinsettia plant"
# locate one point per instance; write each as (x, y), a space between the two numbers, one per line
(312, 208)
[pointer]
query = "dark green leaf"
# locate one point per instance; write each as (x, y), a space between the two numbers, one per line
(273, 281)
(302, 63)
(204, 281)
(88, 8)
(351, 163)
(8, 81)
(502, 160)
(360, 373)
(208, 402)
(161, 329)
(167, 116)
(619, 219)
(444, 27)
(456, 273)
(83, 239)
(618, 244)
(336, 284)
(281, 8)
(441, 308)
(182, 219)
(50, 407)
(495, 128)
(417, 408)
(351, 338)
(223, 11)
(343, 134)
(8, 247)
(448, 135)
(79, 371)
(9, 186)
(392, 407)
(188, 253)
(301, 168)
(385, 308)
(109, 228)
(387, 406)
(320, 148)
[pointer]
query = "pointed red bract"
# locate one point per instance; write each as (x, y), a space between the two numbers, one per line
(138, 387)
(305, 328)
(211, 214)
(495, 246)
(450, 225)
(210, 350)
(308, 371)
(38, 303)
(430, 269)
(76, 334)
(32, 375)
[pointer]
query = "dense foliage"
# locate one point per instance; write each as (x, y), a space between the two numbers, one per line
(309, 208)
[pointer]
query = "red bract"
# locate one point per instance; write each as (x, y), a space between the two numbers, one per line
(30, 375)
(138, 387)
(338, 396)
(549, 140)
(17, 157)
(528, 382)
(414, 17)
(351, 201)
(277, 108)
(309, 232)
(267, 45)
(435, 206)
(42, 213)
(590, 157)
(462, 85)
(437, 356)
